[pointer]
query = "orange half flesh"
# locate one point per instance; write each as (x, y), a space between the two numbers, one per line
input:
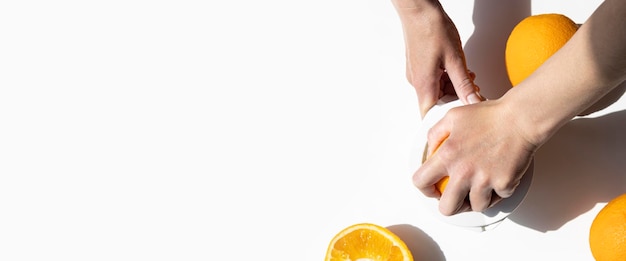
(366, 241)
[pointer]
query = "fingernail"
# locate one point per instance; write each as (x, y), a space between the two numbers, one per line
(473, 98)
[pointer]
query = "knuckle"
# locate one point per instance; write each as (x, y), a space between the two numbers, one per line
(412, 76)
(415, 78)
(454, 113)
(481, 182)
(505, 189)
(419, 181)
(430, 192)
(423, 186)
(466, 85)
(446, 211)
(431, 134)
(464, 170)
(409, 78)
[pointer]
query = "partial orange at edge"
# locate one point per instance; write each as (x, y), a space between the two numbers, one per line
(607, 234)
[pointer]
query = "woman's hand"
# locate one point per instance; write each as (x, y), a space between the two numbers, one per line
(485, 155)
(435, 62)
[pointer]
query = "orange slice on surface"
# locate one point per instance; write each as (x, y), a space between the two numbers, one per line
(366, 241)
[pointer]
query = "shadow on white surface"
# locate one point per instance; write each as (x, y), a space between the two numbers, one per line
(582, 165)
(484, 50)
(422, 246)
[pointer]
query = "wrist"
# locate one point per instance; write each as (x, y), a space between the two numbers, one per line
(533, 121)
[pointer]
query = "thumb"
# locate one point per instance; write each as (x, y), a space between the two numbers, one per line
(427, 93)
(463, 83)
(426, 101)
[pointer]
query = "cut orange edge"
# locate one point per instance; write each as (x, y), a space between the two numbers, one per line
(396, 241)
(441, 184)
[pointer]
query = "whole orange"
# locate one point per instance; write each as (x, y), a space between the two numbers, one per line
(607, 235)
(533, 40)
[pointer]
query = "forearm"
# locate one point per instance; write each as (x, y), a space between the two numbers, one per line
(420, 19)
(589, 66)
(413, 5)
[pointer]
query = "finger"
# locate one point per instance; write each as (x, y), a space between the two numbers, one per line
(505, 189)
(424, 76)
(480, 195)
(427, 89)
(427, 101)
(437, 134)
(453, 198)
(427, 176)
(473, 77)
(448, 87)
(494, 199)
(426, 84)
(463, 81)
(465, 207)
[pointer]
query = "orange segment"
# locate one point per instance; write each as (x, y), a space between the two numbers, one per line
(366, 241)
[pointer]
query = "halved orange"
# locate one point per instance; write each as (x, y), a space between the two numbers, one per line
(442, 184)
(367, 241)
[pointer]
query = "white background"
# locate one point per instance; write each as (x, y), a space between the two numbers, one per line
(234, 130)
